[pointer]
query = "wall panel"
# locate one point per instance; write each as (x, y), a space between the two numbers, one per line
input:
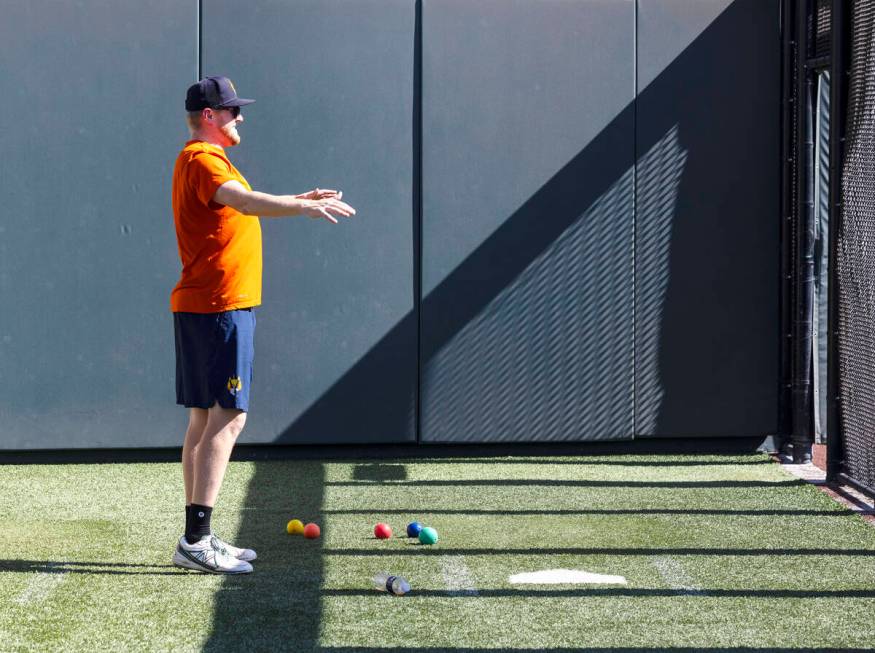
(528, 145)
(93, 95)
(336, 341)
(707, 220)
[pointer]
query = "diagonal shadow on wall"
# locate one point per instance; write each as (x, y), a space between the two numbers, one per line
(706, 243)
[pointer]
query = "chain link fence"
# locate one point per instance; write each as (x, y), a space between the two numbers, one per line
(856, 256)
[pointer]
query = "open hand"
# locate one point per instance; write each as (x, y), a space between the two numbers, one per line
(328, 207)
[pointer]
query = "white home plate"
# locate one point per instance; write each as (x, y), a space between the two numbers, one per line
(564, 577)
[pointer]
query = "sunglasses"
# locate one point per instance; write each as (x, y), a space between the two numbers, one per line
(235, 111)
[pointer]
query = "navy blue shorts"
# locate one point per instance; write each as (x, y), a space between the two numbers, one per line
(214, 353)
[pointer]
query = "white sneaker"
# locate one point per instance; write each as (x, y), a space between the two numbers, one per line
(222, 546)
(203, 557)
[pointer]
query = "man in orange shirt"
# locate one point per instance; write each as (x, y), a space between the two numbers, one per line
(215, 212)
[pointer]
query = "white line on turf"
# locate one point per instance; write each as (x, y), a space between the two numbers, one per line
(41, 584)
(675, 577)
(565, 577)
(457, 577)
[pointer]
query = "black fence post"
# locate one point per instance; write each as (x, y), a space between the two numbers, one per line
(804, 301)
(837, 102)
(785, 403)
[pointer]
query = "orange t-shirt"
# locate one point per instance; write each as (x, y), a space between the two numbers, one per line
(220, 247)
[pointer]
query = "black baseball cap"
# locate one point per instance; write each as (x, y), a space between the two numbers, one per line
(213, 93)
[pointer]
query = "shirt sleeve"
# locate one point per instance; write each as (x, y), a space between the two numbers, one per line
(208, 172)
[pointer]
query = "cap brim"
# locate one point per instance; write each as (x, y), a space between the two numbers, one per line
(238, 102)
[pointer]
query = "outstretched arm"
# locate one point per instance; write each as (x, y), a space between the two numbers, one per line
(314, 204)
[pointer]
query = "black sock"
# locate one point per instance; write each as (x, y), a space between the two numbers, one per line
(187, 517)
(198, 522)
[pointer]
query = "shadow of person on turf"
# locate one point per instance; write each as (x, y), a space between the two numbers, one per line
(281, 598)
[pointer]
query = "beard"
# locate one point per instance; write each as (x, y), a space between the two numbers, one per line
(230, 132)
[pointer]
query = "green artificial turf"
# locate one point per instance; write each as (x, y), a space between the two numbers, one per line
(720, 552)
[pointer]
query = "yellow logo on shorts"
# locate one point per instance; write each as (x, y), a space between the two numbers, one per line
(235, 385)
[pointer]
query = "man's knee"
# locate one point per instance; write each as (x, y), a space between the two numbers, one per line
(228, 421)
(237, 423)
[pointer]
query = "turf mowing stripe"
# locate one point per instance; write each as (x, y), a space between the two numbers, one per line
(673, 574)
(547, 482)
(709, 593)
(42, 584)
(418, 550)
(457, 577)
(769, 512)
(588, 649)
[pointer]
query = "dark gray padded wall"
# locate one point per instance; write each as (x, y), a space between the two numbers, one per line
(92, 94)
(707, 248)
(527, 220)
(336, 338)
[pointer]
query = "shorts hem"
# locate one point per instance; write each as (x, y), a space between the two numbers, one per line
(234, 406)
(189, 404)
